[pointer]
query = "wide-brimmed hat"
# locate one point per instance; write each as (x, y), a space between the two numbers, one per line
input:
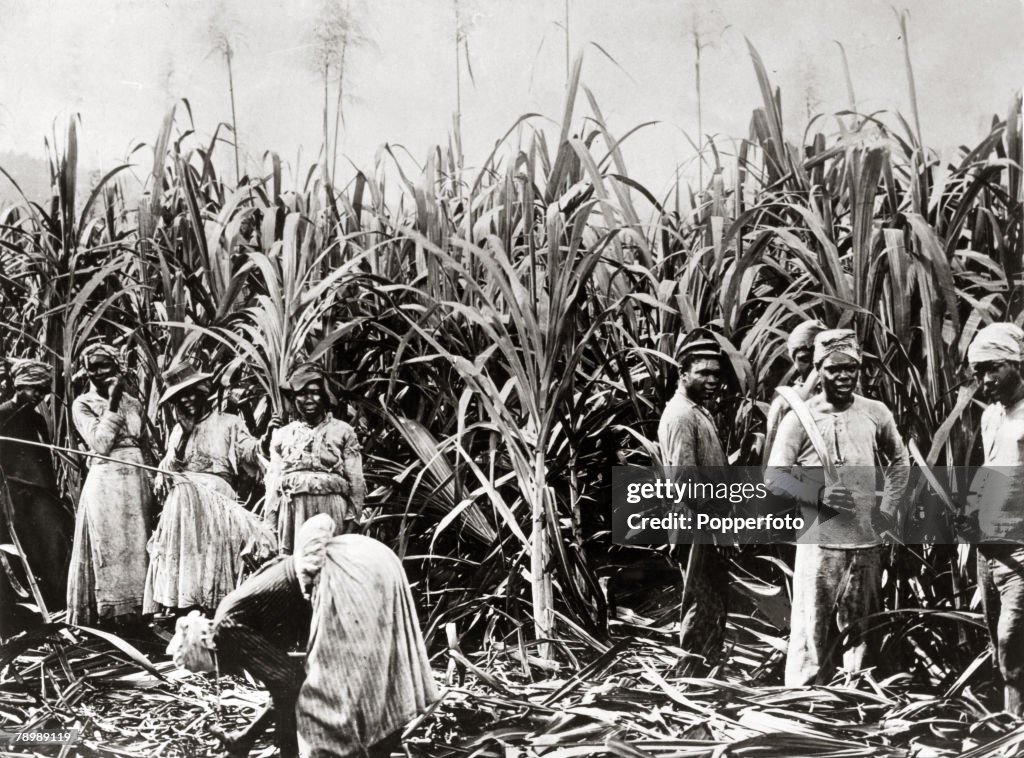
(180, 377)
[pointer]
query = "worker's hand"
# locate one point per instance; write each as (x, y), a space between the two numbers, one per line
(882, 523)
(188, 425)
(116, 393)
(837, 499)
(967, 527)
(258, 550)
(162, 486)
(276, 422)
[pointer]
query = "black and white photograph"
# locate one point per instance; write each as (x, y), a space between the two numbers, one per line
(511, 379)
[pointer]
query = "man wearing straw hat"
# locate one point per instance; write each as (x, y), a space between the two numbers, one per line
(837, 575)
(997, 520)
(43, 524)
(689, 438)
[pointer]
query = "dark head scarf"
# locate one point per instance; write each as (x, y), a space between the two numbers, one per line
(305, 373)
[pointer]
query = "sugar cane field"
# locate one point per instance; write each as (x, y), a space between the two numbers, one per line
(497, 330)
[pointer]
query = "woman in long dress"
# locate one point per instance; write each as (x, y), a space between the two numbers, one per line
(108, 561)
(315, 464)
(195, 552)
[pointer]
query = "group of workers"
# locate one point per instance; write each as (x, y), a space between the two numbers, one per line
(346, 596)
(837, 575)
(343, 596)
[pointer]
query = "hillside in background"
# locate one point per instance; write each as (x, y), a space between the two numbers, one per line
(31, 174)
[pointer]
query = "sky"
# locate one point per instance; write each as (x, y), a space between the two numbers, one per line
(121, 64)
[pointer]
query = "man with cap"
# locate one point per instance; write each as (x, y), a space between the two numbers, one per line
(800, 346)
(43, 524)
(837, 575)
(315, 464)
(689, 439)
(997, 518)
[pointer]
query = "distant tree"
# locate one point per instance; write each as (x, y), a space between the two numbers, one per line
(335, 35)
(223, 27)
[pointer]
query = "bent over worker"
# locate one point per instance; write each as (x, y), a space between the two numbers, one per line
(366, 672)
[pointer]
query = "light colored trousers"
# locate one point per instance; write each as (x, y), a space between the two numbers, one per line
(834, 590)
(1001, 580)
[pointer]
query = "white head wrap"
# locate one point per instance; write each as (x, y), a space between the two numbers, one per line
(310, 549)
(833, 341)
(1001, 341)
(803, 336)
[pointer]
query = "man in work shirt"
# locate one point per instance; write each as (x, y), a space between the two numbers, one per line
(837, 581)
(689, 438)
(995, 356)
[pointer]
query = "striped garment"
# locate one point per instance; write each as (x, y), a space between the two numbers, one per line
(257, 623)
(367, 672)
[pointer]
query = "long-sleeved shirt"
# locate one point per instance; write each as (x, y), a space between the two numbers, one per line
(999, 488)
(688, 436)
(689, 440)
(257, 623)
(104, 430)
(780, 407)
(219, 444)
(321, 459)
(858, 439)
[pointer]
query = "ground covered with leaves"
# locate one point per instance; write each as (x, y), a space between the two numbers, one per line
(623, 699)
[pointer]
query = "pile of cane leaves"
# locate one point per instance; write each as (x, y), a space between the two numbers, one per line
(627, 698)
(121, 701)
(629, 701)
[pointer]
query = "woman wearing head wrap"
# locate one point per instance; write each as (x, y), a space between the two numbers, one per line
(43, 524)
(837, 575)
(195, 552)
(315, 465)
(108, 560)
(800, 346)
(367, 672)
(997, 512)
